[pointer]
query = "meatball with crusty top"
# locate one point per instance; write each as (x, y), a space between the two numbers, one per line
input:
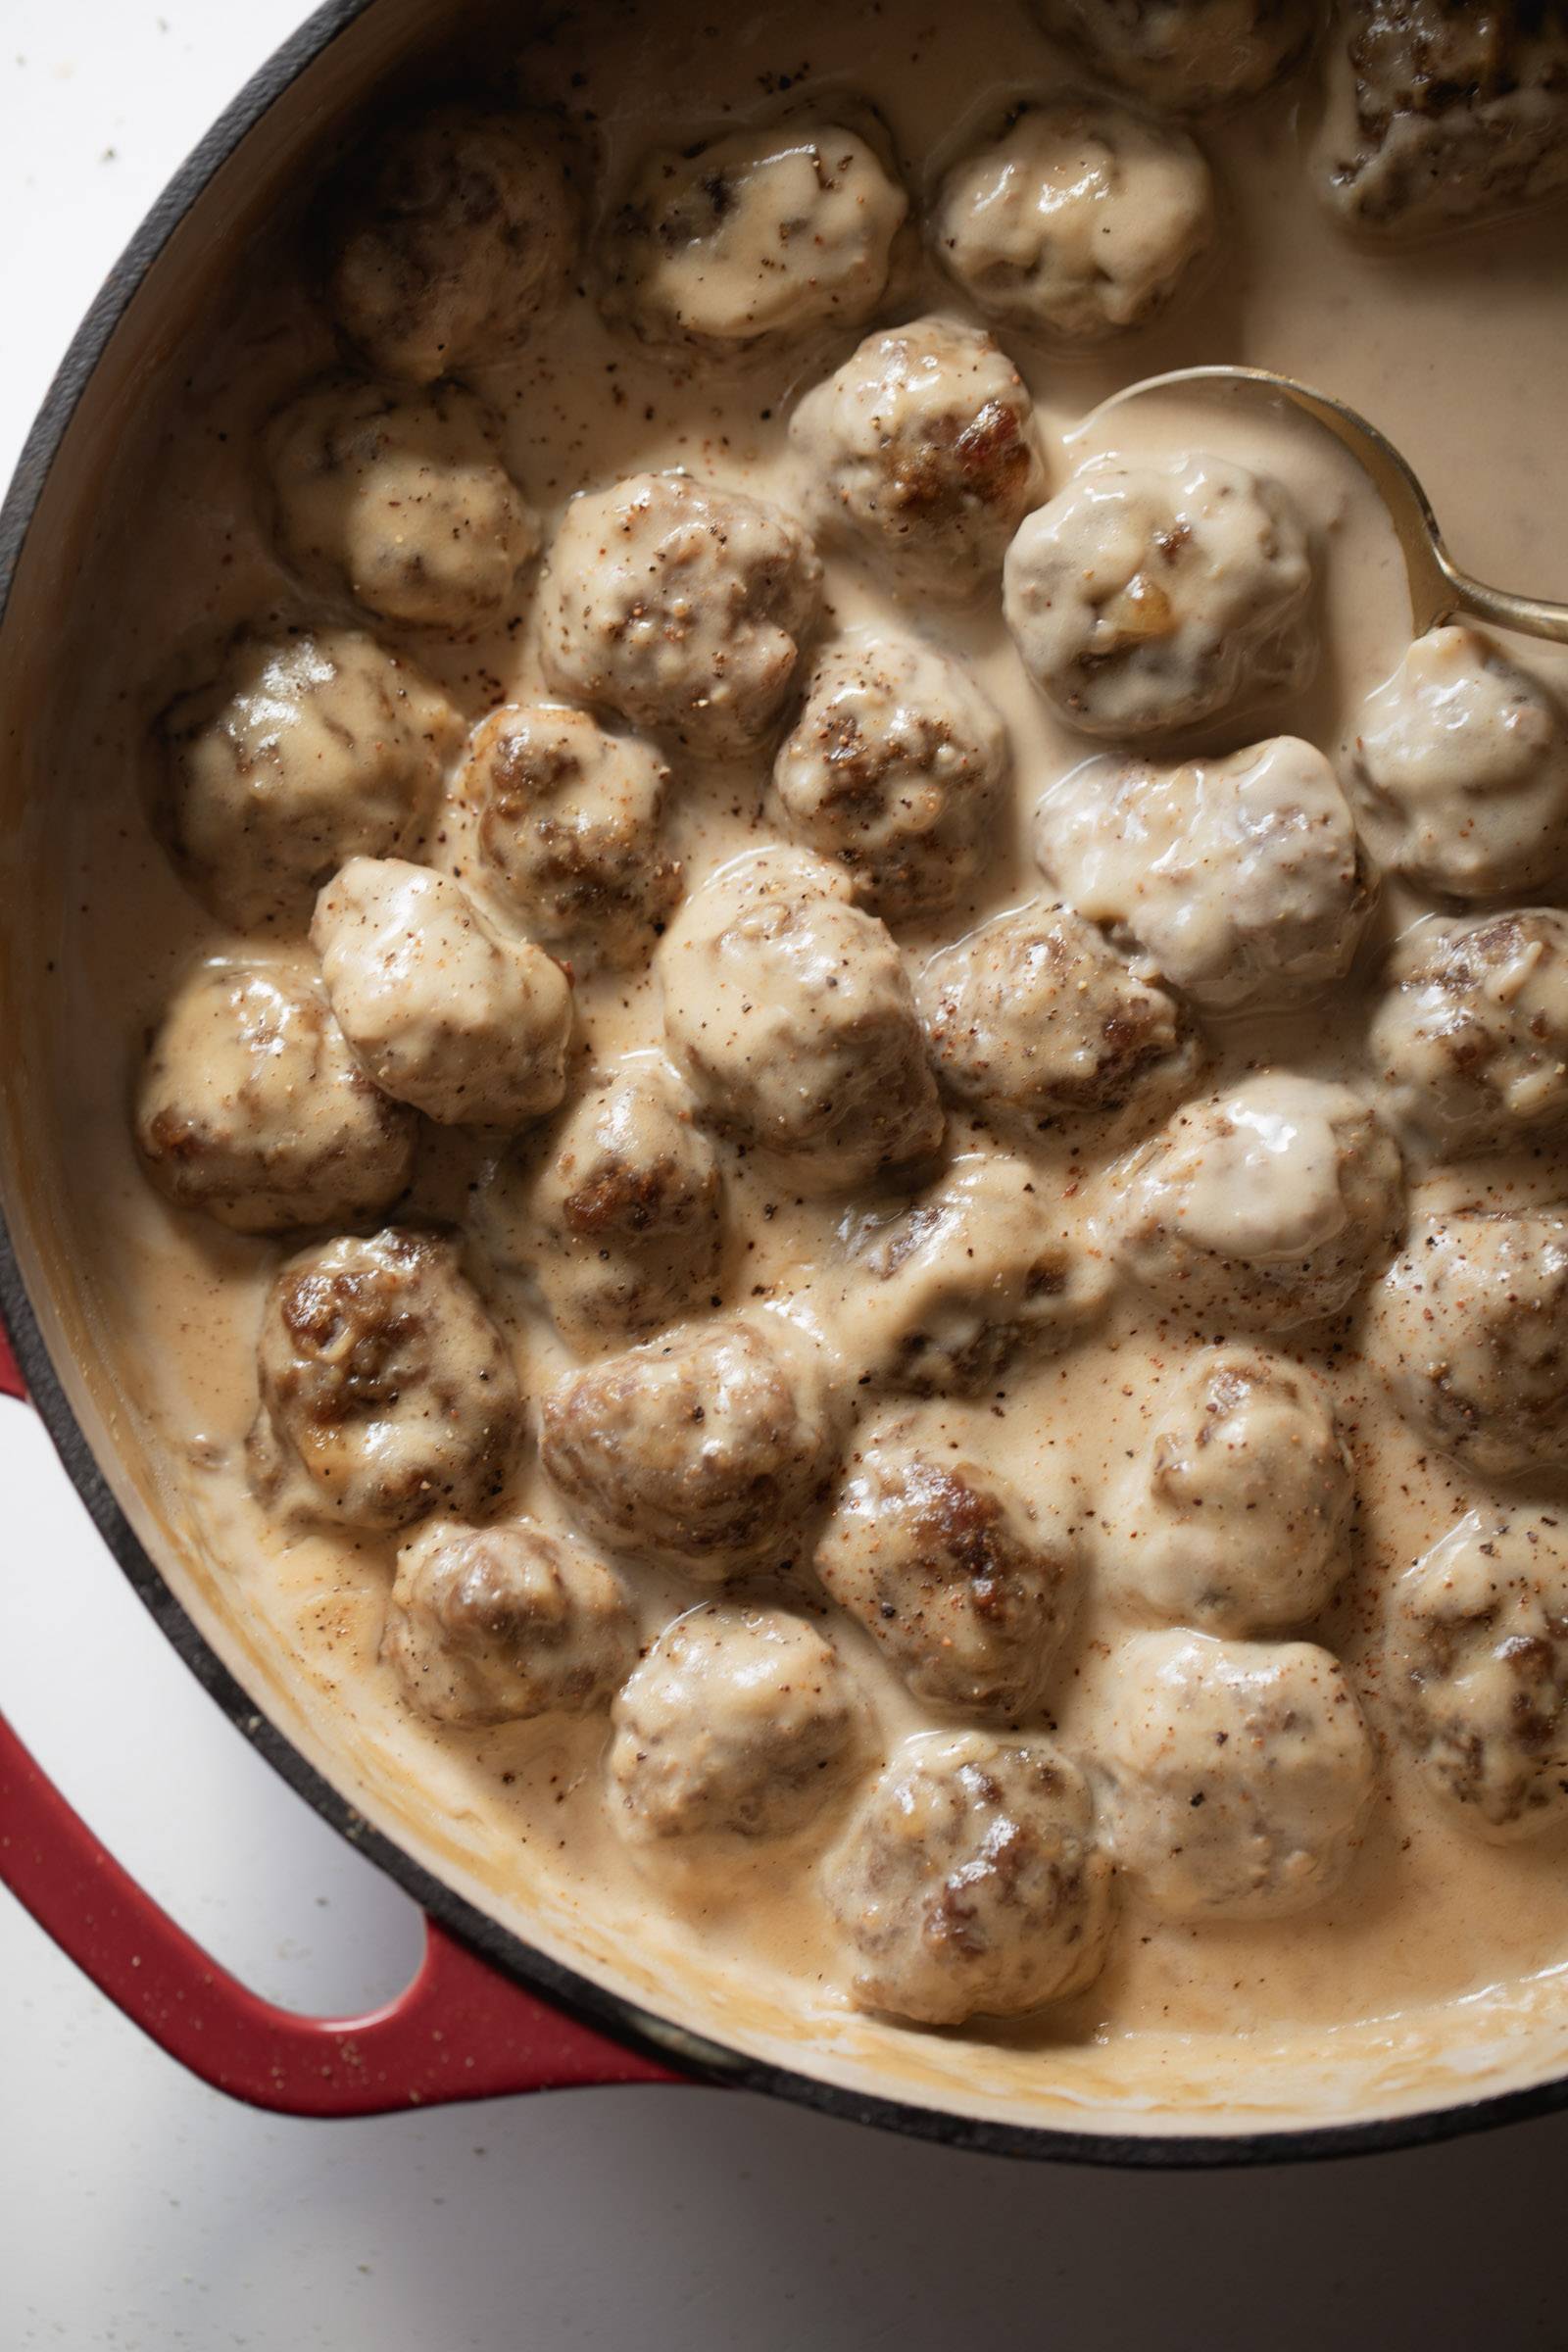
(491, 1625)
(921, 451)
(1189, 55)
(705, 1450)
(1459, 771)
(944, 1294)
(1471, 1329)
(790, 1011)
(739, 1722)
(622, 1222)
(1477, 1669)
(300, 752)
(681, 606)
(455, 232)
(893, 767)
(1471, 1040)
(1237, 1774)
(251, 1107)
(441, 1009)
(758, 235)
(967, 1586)
(402, 499)
(1146, 596)
(1034, 1012)
(1273, 1202)
(386, 1390)
(1081, 217)
(1238, 1514)
(971, 1882)
(1443, 114)
(1242, 878)
(568, 831)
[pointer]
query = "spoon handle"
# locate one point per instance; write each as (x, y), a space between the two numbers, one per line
(1529, 615)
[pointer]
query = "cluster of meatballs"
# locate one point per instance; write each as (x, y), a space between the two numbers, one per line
(787, 1457)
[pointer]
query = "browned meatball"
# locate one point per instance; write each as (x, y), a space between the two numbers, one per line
(703, 1450)
(623, 1224)
(300, 751)
(1036, 1013)
(1471, 1330)
(1186, 54)
(790, 1011)
(1444, 112)
(893, 767)
(568, 828)
(967, 1587)
(402, 499)
(252, 1107)
(922, 450)
(942, 1294)
(739, 1722)
(386, 1390)
(454, 233)
(1477, 1667)
(493, 1624)
(1471, 1041)
(681, 606)
(971, 1882)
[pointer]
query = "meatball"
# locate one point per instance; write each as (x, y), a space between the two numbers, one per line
(703, 1450)
(942, 1294)
(1471, 1330)
(493, 1624)
(1237, 1774)
(1471, 1041)
(1036, 1013)
(971, 1880)
(1272, 1202)
(402, 499)
(568, 830)
(455, 235)
(1081, 217)
(252, 1107)
(763, 234)
(893, 767)
(739, 1722)
(680, 606)
(386, 1390)
(303, 750)
(1445, 113)
(442, 1011)
(1186, 54)
(1460, 771)
(624, 1222)
(791, 1013)
(1242, 878)
(1477, 1667)
(922, 451)
(1145, 597)
(967, 1587)
(1239, 1511)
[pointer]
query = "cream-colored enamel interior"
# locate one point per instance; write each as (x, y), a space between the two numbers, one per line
(1441, 1972)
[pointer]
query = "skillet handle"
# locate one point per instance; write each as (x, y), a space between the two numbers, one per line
(458, 2031)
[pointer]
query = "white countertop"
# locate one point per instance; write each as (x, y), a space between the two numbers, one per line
(142, 2211)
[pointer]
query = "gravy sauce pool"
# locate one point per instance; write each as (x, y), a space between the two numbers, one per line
(1459, 352)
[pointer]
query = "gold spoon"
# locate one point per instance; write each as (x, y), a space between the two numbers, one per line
(1438, 589)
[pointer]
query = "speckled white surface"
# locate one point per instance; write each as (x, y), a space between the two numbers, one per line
(141, 2211)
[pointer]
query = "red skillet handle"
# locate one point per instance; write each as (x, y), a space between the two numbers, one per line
(460, 2031)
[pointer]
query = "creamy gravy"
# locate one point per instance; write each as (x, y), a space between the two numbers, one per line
(1459, 353)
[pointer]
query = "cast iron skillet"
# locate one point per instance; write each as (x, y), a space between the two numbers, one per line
(486, 2014)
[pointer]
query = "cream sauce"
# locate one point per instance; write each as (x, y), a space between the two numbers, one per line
(1460, 355)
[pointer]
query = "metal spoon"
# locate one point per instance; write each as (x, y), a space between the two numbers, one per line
(1438, 589)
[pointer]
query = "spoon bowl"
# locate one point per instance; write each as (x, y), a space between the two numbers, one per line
(1439, 590)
